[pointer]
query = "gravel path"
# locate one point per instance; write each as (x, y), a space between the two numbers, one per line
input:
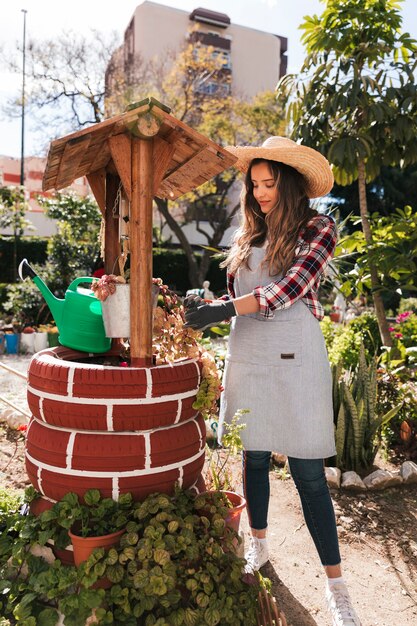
(13, 387)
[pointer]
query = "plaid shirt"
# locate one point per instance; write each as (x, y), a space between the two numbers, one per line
(313, 252)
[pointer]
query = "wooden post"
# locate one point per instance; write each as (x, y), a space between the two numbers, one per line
(141, 253)
(111, 232)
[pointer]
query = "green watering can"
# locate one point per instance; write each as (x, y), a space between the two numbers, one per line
(78, 316)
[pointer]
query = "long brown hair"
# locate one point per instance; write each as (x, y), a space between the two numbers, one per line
(281, 225)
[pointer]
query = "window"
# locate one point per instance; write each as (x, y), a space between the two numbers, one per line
(224, 57)
(211, 88)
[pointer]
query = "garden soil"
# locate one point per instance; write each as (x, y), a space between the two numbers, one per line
(378, 536)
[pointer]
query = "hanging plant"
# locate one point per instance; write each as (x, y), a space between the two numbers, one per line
(172, 341)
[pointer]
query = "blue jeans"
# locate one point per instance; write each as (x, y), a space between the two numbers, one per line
(310, 480)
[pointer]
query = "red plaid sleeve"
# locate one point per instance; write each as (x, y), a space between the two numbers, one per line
(231, 284)
(302, 280)
(230, 288)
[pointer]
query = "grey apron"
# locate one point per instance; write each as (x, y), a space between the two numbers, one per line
(278, 369)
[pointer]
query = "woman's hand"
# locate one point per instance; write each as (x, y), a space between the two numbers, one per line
(200, 314)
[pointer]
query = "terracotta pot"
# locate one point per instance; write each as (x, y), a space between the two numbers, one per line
(335, 317)
(66, 556)
(39, 505)
(84, 546)
(111, 428)
(238, 503)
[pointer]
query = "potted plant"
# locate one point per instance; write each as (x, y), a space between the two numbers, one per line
(92, 523)
(174, 564)
(27, 339)
(100, 522)
(219, 476)
(335, 314)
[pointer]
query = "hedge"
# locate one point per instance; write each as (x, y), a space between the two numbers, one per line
(168, 263)
(171, 265)
(32, 248)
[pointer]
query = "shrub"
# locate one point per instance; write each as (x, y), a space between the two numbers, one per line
(175, 564)
(357, 420)
(405, 328)
(32, 248)
(407, 304)
(393, 391)
(343, 342)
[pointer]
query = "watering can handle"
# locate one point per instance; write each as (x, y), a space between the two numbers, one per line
(81, 279)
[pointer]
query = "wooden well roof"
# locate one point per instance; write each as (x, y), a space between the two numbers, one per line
(189, 158)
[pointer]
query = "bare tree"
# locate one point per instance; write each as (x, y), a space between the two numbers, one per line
(65, 81)
(74, 81)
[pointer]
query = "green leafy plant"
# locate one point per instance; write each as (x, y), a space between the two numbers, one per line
(219, 475)
(400, 434)
(94, 517)
(358, 79)
(357, 421)
(392, 252)
(343, 342)
(176, 564)
(407, 304)
(13, 209)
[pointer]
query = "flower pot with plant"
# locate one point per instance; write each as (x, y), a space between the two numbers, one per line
(114, 293)
(174, 565)
(100, 522)
(219, 475)
(178, 565)
(95, 522)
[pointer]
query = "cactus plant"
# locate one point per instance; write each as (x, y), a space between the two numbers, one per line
(356, 419)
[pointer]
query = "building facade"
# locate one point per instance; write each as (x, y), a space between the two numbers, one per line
(255, 59)
(252, 62)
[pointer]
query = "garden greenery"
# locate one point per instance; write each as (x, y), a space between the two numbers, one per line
(176, 565)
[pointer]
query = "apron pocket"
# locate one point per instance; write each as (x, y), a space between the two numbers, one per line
(275, 343)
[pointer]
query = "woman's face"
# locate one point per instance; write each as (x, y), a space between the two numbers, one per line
(265, 189)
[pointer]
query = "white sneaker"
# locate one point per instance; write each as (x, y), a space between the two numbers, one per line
(256, 556)
(340, 606)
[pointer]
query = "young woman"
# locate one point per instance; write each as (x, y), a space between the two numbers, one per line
(277, 365)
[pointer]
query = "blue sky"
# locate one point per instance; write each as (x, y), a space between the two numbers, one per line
(46, 18)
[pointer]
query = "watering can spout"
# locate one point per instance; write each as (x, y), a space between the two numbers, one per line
(25, 270)
(55, 304)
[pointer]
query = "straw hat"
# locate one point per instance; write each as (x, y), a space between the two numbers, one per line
(311, 164)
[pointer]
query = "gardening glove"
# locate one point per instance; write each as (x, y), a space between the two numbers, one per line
(200, 315)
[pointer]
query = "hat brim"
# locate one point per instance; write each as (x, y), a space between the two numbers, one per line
(311, 164)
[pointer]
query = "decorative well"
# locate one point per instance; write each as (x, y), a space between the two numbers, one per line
(130, 429)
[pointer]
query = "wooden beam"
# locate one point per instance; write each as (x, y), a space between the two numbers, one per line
(121, 154)
(97, 182)
(146, 125)
(111, 229)
(141, 253)
(162, 155)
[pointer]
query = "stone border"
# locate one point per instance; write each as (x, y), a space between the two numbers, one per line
(376, 481)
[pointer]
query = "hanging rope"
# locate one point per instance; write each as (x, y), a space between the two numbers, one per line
(124, 229)
(116, 205)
